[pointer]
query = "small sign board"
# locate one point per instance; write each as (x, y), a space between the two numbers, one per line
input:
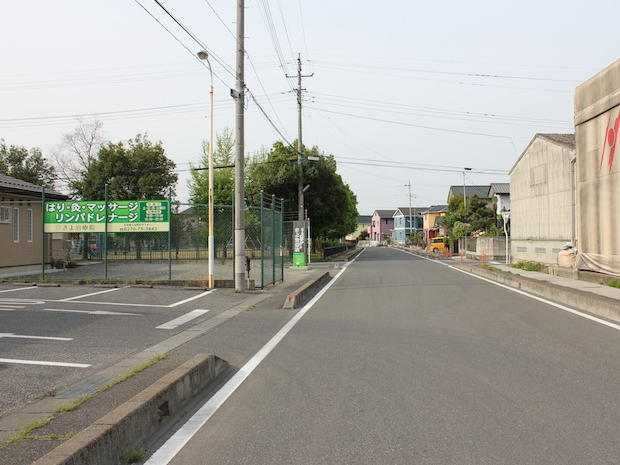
(299, 243)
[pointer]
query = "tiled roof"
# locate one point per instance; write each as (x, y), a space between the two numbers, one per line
(567, 140)
(500, 188)
(481, 191)
(14, 186)
(437, 209)
(384, 213)
(414, 210)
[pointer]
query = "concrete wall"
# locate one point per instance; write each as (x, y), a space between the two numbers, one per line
(541, 202)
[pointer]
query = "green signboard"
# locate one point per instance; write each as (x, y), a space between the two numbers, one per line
(120, 216)
(299, 243)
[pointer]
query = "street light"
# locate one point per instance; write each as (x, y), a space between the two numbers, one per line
(203, 55)
(464, 196)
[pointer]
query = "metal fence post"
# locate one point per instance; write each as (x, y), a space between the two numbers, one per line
(273, 239)
(43, 233)
(262, 239)
(105, 238)
(282, 238)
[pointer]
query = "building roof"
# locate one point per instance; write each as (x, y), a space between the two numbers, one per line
(363, 219)
(481, 191)
(384, 213)
(14, 186)
(436, 209)
(565, 140)
(414, 211)
(499, 188)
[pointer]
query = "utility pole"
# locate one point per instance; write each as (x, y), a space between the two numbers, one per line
(238, 95)
(464, 195)
(300, 184)
(410, 223)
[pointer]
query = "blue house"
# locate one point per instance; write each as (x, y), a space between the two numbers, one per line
(404, 217)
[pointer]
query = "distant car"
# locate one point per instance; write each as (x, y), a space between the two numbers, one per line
(437, 245)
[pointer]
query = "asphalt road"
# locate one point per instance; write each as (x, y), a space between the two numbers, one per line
(51, 337)
(407, 361)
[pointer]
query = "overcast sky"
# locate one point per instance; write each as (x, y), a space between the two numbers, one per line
(402, 91)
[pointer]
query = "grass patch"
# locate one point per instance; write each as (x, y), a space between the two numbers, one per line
(26, 431)
(133, 372)
(64, 408)
(615, 284)
(527, 265)
(136, 456)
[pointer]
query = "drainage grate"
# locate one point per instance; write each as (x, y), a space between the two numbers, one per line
(87, 386)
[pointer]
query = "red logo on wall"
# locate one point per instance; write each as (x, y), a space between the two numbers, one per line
(609, 146)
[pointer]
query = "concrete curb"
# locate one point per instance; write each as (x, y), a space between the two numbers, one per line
(123, 430)
(602, 306)
(306, 292)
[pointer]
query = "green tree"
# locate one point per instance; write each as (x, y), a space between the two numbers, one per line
(223, 176)
(331, 205)
(133, 171)
(29, 166)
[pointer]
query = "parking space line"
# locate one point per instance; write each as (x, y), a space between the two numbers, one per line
(43, 363)
(91, 294)
(19, 289)
(90, 312)
(176, 304)
(47, 338)
(172, 324)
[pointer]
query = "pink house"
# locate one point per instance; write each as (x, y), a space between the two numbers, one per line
(381, 225)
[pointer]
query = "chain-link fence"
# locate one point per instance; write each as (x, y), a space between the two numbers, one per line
(180, 255)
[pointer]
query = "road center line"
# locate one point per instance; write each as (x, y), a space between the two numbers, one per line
(43, 363)
(182, 319)
(88, 295)
(173, 446)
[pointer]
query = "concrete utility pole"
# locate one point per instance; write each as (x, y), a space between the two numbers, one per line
(300, 184)
(410, 223)
(464, 195)
(239, 157)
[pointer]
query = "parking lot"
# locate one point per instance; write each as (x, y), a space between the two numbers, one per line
(52, 337)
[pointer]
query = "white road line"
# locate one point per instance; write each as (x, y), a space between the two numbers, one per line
(10, 307)
(7, 301)
(6, 309)
(191, 298)
(47, 338)
(88, 295)
(173, 446)
(19, 289)
(182, 319)
(43, 363)
(548, 302)
(90, 312)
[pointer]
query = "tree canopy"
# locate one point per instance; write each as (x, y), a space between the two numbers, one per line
(330, 203)
(29, 166)
(223, 178)
(136, 170)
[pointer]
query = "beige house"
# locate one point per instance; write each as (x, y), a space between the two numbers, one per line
(21, 224)
(432, 219)
(542, 213)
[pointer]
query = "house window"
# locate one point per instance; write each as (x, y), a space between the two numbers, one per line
(5, 215)
(29, 232)
(15, 225)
